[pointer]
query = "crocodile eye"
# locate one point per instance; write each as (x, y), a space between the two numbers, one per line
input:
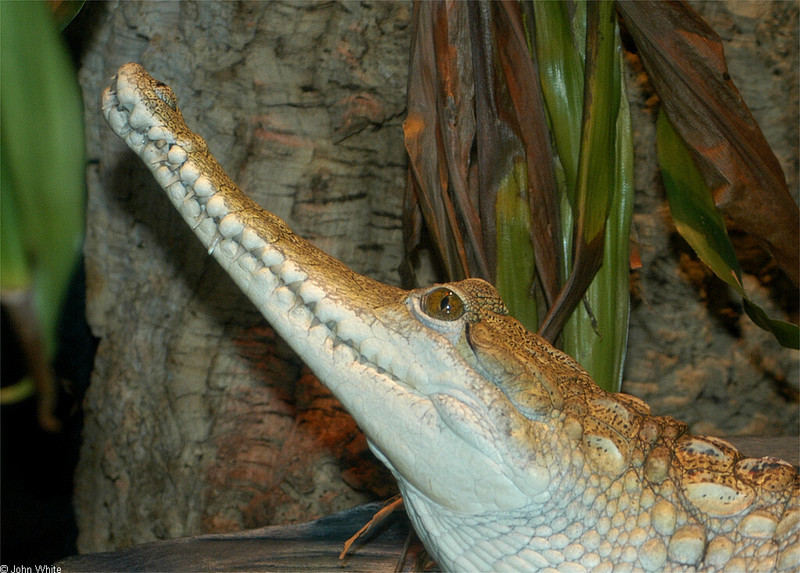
(443, 304)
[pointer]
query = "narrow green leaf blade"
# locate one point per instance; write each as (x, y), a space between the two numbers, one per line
(599, 340)
(559, 48)
(700, 223)
(516, 262)
(601, 105)
(41, 141)
(596, 165)
(596, 334)
(16, 270)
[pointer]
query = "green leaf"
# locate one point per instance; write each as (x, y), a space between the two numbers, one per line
(560, 46)
(595, 178)
(595, 158)
(516, 261)
(599, 340)
(16, 272)
(41, 141)
(700, 223)
(597, 332)
(595, 182)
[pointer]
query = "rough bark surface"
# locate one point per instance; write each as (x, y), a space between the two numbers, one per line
(198, 420)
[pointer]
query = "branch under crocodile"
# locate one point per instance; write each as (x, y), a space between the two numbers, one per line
(506, 452)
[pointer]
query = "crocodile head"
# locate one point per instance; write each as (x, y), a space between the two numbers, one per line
(456, 400)
(507, 453)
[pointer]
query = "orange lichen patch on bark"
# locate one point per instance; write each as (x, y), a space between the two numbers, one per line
(357, 111)
(272, 128)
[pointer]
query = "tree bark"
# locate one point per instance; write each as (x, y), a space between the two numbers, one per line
(199, 419)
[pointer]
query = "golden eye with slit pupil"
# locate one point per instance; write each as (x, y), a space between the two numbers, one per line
(444, 304)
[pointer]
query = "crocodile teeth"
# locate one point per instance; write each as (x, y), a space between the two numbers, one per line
(177, 155)
(117, 119)
(136, 141)
(262, 284)
(354, 330)
(161, 133)
(318, 335)
(216, 207)
(230, 249)
(310, 292)
(284, 298)
(301, 316)
(271, 257)
(329, 311)
(289, 272)
(165, 176)
(139, 117)
(206, 229)
(126, 95)
(230, 225)
(190, 209)
(214, 243)
(176, 191)
(251, 240)
(190, 173)
(247, 262)
(344, 355)
(151, 154)
(203, 186)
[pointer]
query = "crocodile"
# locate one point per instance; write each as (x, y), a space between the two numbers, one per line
(507, 454)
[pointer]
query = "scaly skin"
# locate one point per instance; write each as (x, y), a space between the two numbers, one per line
(507, 454)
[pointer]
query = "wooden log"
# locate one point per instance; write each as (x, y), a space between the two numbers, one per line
(312, 546)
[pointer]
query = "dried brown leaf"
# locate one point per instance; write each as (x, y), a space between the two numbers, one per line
(439, 131)
(512, 127)
(685, 60)
(468, 60)
(526, 117)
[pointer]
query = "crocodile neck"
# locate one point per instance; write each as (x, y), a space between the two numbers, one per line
(507, 453)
